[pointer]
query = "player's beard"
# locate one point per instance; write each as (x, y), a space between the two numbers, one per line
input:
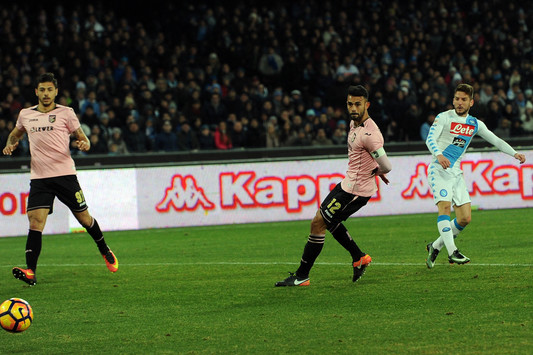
(462, 113)
(357, 119)
(47, 104)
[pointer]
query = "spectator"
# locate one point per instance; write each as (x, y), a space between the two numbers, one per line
(135, 139)
(116, 144)
(272, 136)
(256, 137)
(222, 137)
(347, 68)
(287, 134)
(321, 138)
(98, 144)
(166, 140)
(424, 128)
(187, 138)
(270, 65)
(504, 128)
(239, 137)
(339, 137)
(215, 111)
(206, 139)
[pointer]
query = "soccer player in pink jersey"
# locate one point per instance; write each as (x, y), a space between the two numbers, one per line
(448, 139)
(366, 160)
(53, 173)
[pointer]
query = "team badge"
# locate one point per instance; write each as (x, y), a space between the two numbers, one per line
(443, 193)
(353, 138)
(52, 118)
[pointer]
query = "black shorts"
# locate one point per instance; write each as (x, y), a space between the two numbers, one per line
(65, 188)
(339, 205)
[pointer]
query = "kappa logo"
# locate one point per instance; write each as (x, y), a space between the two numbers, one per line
(462, 129)
(52, 118)
(184, 194)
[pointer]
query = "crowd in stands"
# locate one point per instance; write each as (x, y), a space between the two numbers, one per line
(195, 75)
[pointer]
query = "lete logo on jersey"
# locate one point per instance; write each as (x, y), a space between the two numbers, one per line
(462, 129)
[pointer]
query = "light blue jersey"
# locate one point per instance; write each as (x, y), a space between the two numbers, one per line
(451, 134)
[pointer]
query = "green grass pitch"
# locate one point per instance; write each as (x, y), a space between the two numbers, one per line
(210, 290)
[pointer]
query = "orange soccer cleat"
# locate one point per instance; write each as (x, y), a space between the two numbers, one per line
(111, 261)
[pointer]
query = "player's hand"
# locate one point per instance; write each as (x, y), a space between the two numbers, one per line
(520, 157)
(8, 150)
(443, 161)
(83, 145)
(384, 178)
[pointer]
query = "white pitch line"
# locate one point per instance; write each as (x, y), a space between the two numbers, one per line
(272, 263)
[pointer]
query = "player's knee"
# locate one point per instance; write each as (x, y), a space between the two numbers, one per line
(318, 225)
(36, 221)
(464, 220)
(85, 219)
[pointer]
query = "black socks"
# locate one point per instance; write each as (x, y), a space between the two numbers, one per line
(33, 248)
(340, 233)
(98, 237)
(312, 249)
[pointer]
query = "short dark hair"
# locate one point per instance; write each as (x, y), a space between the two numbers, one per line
(46, 78)
(467, 89)
(358, 90)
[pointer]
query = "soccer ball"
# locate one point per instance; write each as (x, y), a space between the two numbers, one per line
(16, 315)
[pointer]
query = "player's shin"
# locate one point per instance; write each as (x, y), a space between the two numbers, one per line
(98, 236)
(456, 228)
(33, 248)
(341, 235)
(445, 231)
(312, 250)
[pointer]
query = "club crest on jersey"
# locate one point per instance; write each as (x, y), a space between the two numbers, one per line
(462, 129)
(52, 118)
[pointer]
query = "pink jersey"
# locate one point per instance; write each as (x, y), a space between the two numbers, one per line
(49, 137)
(362, 140)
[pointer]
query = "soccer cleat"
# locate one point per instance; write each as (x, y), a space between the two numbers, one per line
(111, 261)
(458, 258)
(360, 266)
(26, 275)
(432, 255)
(293, 280)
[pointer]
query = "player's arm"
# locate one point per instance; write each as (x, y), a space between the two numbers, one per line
(384, 164)
(431, 142)
(81, 140)
(13, 141)
(499, 143)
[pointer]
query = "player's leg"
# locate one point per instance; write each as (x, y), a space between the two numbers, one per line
(463, 216)
(92, 227)
(40, 205)
(312, 249)
(69, 192)
(336, 208)
(462, 207)
(37, 219)
(442, 185)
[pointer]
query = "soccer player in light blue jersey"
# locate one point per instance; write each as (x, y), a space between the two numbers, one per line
(448, 138)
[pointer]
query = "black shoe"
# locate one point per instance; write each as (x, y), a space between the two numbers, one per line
(458, 258)
(293, 280)
(432, 255)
